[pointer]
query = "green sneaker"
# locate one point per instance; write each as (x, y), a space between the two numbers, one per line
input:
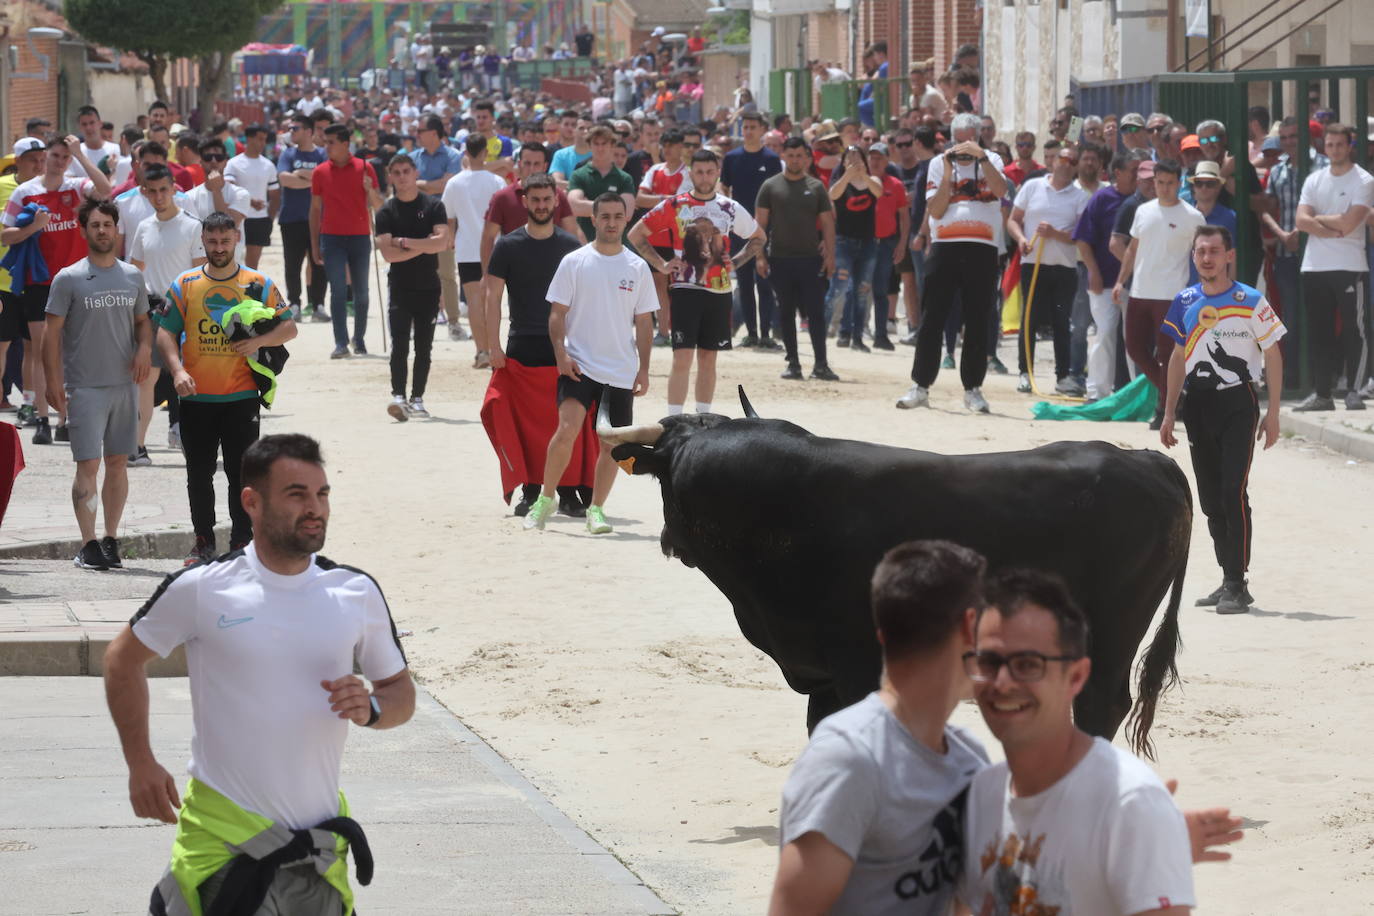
(539, 513)
(596, 520)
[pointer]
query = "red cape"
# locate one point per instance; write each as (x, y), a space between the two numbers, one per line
(11, 463)
(520, 414)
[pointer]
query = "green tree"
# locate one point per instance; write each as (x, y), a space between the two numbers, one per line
(157, 33)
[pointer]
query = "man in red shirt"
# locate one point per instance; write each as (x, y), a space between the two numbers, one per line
(61, 243)
(507, 211)
(343, 194)
(892, 227)
(1025, 165)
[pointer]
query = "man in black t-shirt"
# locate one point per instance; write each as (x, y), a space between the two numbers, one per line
(522, 265)
(412, 229)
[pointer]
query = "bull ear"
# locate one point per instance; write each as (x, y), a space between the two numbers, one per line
(639, 459)
(744, 403)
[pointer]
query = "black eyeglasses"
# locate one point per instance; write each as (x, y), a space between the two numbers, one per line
(1024, 667)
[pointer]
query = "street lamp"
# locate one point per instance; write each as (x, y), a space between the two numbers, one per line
(38, 31)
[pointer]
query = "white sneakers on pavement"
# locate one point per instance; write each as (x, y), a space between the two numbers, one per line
(974, 401)
(916, 396)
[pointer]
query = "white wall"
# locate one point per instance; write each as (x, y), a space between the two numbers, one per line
(121, 97)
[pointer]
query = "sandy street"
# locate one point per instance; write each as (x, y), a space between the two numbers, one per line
(619, 683)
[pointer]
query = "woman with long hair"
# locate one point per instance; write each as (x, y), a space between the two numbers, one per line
(855, 192)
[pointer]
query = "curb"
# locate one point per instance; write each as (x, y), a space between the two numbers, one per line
(638, 894)
(164, 544)
(72, 652)
(1331, 433)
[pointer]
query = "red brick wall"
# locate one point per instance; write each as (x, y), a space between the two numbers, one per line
(31, 98)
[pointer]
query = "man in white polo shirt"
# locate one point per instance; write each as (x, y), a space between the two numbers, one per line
(1042, 223)
(272, 633)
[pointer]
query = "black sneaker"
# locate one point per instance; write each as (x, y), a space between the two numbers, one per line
(62, 434)
(522, 508)
(793, 374)
(339, 353)
(882, 343)
(843, 341)
(202, 552)
(823, 374)
(768, 343)
(1215, 597)
(109, 549)
(1234, 599)
(90, 557)
(749, 340)
(359, 348)
(572, 507)
(859, 345)
(1315, 402)
(42, 433)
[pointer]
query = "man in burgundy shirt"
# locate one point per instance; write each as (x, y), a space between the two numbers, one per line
(343, 192)
(507, 211)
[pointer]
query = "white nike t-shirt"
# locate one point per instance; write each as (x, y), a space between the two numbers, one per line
(257, 646)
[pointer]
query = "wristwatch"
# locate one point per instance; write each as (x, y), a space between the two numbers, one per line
(376, 711)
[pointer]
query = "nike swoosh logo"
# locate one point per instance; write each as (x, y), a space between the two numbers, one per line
(225, 622)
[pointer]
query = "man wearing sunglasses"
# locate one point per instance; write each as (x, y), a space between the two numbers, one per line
(1157, 127)
(1133, 134)
(873, 812)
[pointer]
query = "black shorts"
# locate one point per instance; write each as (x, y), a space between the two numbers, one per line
(531, 351)
(258, 232)
(701, 319)
(12, 323)
(905, 266)
(469, 271)
(587, 392)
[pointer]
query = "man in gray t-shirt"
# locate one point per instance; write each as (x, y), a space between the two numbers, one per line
(97, 349)
(873, 810)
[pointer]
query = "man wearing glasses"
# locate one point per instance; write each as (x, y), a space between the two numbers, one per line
(1028, 835)
(873, 812)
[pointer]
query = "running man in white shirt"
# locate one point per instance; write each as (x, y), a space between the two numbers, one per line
(598, 294)
(272, 634)
(1068, 822)
(465, 200)
(256, 174)
(162, 246)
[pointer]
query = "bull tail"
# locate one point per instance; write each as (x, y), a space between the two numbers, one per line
(1158, 669)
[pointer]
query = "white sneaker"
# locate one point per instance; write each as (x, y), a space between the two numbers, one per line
(916, 396)
(1023, 384)
(398, 408)
(1367, 392)
(174, 436)
(482, 360)
(456, 332)
(417, 408)
(974, 401)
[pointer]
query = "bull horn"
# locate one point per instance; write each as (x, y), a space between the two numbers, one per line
(646, 434)
(744, 403)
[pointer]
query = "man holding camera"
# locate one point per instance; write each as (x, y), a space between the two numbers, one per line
(964, 191)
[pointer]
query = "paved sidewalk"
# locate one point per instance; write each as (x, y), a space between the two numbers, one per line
(1348, 432)
(453, 827)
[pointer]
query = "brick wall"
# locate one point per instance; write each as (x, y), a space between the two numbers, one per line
(33, 97)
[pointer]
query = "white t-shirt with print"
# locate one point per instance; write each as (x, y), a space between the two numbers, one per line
(974, 213)
(255, 174)
(1106, 840)
(1333, 195)
(1043, 203)
(257, 646)
(1164, 249)
(603, 294)
(166, 248)
(108, 150)
(465, 200)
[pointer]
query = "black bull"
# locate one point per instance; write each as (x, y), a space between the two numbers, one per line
(790, 526)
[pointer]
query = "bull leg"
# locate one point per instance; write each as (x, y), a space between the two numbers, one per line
(819, 704)
(1101, 708)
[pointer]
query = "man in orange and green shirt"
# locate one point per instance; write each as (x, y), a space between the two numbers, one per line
(219, 397)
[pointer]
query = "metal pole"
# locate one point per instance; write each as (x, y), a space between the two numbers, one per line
(1211, 56)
